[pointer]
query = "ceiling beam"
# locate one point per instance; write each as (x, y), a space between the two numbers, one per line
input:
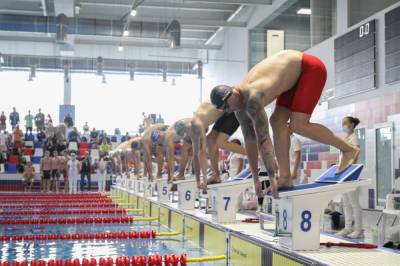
(236, 2)
(165, 5)
(21, 12)
(193, 22)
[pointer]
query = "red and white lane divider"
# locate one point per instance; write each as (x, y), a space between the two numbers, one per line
(59, 205)
(65, 212)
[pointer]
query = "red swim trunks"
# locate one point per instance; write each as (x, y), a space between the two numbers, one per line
(304, 96)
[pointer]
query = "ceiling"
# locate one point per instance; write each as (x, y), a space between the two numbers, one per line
(101, 22)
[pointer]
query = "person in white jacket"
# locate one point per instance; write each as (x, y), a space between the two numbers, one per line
(73, 173)
(102, 174)
(351, 204)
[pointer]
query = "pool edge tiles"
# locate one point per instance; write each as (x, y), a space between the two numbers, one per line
(164, 216)
(176, 221)
(147, 208)
(214, 240)
(192, 231)
(243, 252)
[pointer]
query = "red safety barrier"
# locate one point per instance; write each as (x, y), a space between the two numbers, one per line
(65, 212)
(76, 220)
(152, 260)
(79, 236)
(102, 200)
(59, 205)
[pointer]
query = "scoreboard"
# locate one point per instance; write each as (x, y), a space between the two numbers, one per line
(355, 57)
(392, 46)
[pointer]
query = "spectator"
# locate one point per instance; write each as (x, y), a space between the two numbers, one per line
(102, 174)
(160, 120)
(295, 158)
(105, 148)
(14, 118)
(85, 171)
(17, 136)
(29, 176)
(41, 136)
(85, 128)
(55, 171)
(49, 121)
(93, 134)
(50, 144)
(45, 170)
(74, 167)
(39, 121)
(73, 136)
(29, 122)
(235, 161)
(3, 125)
(3, 141)
(68, 120)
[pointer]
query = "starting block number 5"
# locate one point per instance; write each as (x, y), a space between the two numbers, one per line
(164, 190)
(305, 224)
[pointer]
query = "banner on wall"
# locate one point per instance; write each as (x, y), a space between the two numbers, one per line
(64, 110)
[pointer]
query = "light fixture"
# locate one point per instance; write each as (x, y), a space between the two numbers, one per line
(1, 58)
(100, 64)
(103, 80)
(120, 48)
(304, 11)
(125, 33)
(133, 12)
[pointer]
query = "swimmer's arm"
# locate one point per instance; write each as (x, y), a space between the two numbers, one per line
(256, 112)
(147, 159)
(250, 142)
(170, 156)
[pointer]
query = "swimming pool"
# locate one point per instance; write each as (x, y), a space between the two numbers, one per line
(28, 250)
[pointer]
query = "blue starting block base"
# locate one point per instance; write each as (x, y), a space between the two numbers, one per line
(299, 208)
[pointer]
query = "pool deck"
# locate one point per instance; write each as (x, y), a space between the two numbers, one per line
(247, 243)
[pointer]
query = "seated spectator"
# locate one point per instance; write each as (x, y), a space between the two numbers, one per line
(14, 118)
(29, 122)
(105, 148)
(4, 138)
(50, 144)
(3, 125)
(39, 121)
(29, 176)
(93, 135)
(68, 120)
(17, 135)
(41, 136)
(73, 136)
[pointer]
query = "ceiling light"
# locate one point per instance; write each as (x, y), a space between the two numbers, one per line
(304, 11)
(120, 48)
(133, 12)
(126, 32)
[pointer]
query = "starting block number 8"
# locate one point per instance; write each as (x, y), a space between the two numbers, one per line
(284, 222)
(305, 224)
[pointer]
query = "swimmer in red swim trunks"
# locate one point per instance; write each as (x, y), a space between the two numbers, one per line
(296, 80)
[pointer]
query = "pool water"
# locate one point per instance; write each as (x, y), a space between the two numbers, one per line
(96, 248)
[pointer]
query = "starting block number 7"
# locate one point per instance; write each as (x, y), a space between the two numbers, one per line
(226, 199)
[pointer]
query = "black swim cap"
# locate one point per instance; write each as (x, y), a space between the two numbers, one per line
(219, 95)
(135, 145)
(180, 128)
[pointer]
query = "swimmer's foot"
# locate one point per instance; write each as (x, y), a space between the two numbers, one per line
(273, 188)
(348, 158)
(285, 183)
(213, 180)
(178, 178)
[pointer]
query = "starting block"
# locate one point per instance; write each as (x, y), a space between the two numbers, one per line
(225, 196)
(162, 188)
(298, 216)
(186, 194)
(149, 187)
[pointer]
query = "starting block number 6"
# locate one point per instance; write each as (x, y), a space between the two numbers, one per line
(188, 195)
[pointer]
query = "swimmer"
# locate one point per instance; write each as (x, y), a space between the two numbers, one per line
(173, 135)
(224, 126)
(296, 80)
(132, 148)
(152, 142)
